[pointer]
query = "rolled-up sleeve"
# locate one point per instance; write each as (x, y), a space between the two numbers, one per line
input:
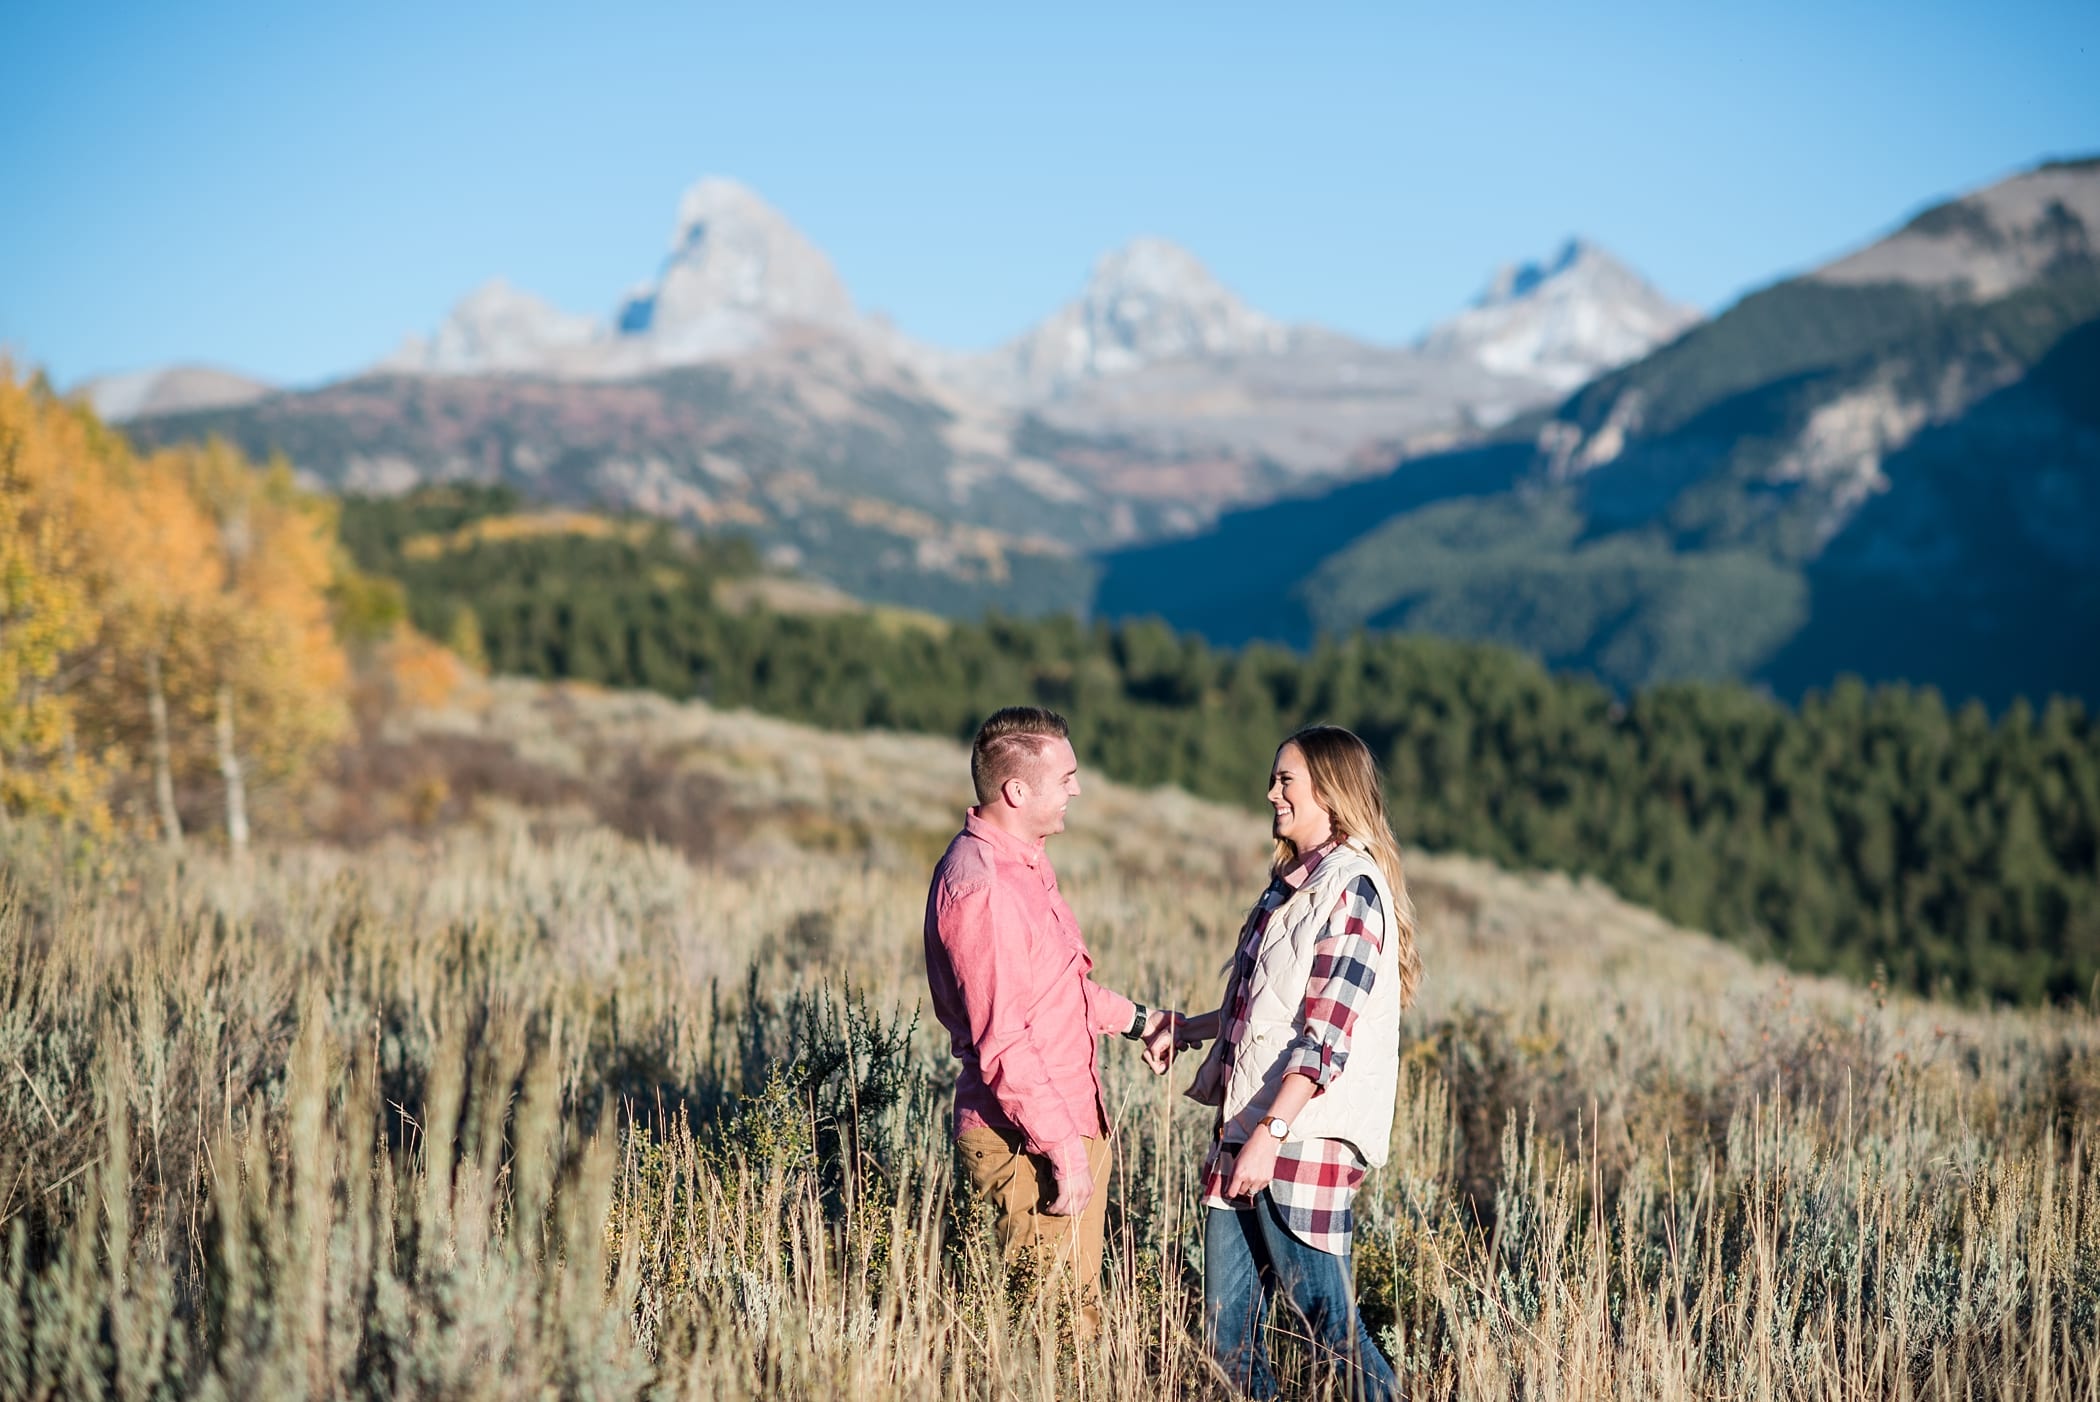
(998, 990)
(1345, 962)
(1107, 1010)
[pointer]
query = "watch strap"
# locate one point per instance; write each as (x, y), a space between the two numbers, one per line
(1137, 1024)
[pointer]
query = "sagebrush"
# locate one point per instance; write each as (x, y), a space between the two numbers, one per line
(532, 1107)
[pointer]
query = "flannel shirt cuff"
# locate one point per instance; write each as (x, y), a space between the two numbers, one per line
(1314, 1060)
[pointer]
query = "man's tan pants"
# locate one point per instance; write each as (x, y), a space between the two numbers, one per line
(1018, 1185)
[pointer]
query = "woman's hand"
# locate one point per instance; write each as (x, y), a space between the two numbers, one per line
(1192, 1032)
(1161, 1039)
(1254, 1166)
(1169, 1032)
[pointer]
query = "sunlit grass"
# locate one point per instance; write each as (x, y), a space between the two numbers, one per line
(530, 1107)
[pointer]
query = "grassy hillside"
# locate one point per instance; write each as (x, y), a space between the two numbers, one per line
(553, 1082)
(1874, 833)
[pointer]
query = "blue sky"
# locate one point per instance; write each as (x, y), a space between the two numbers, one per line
(287, 190)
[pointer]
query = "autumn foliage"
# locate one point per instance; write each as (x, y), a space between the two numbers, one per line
(165, 621)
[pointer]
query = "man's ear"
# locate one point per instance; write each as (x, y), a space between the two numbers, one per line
(1014, 792)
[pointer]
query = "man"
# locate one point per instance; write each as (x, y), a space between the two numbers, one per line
(1009, 974)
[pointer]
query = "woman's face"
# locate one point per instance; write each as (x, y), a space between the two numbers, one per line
(1301, 819)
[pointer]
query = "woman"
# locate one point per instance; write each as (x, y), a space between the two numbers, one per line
(1305, 1065)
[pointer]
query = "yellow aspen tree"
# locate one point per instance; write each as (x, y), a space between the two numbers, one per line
(175, 606)
(280, 674)
(47, 610)
(161, 581)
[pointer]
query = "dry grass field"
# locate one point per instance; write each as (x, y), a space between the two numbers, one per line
(576, 1050)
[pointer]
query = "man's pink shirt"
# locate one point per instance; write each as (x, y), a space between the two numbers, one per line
(1010, 981)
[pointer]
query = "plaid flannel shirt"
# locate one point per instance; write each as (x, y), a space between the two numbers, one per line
(1316, 1180)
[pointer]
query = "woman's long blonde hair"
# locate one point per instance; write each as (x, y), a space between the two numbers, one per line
(1345, 782)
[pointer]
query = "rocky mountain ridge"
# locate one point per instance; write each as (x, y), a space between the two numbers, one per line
(1988, 244)
(738, 273)
(741, 389)
(1886, 466)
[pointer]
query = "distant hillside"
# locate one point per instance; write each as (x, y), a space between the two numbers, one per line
(863, 478)
(168, 389)
(1889, 466)
(1864, 831)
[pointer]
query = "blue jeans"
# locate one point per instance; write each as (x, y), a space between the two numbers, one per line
(1249, 1257)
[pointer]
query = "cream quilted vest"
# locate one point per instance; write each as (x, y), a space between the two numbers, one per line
(1357, 1105)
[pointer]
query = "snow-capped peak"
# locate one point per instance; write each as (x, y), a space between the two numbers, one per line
(1145, 302)
(1514, 280)
(735, 273)
(1154, 267)
(495, 327)
(1564, 320)
(736, 269)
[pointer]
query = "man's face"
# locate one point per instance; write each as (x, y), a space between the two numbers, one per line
(1043, 790)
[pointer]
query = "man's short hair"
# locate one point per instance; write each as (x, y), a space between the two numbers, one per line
(1007, 744)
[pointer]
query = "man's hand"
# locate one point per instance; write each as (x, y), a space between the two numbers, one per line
(1162, 1037)
(1254, 1166)
(1075, 1181)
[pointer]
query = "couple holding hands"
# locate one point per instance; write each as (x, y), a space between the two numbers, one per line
(1304, 1045)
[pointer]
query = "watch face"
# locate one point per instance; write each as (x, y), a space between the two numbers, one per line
(1279, 1127)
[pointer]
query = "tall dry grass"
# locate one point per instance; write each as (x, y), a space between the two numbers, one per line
(531, 1107)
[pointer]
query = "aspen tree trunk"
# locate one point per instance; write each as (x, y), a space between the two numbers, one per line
(230, 770)
(163, 765)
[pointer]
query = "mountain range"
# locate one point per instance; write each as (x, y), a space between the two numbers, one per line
(738, 273)
(1887, 466)
(740, 387)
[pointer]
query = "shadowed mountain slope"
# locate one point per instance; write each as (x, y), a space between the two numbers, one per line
(1839, 474)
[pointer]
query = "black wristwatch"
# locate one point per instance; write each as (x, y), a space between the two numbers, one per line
(1137, 1024)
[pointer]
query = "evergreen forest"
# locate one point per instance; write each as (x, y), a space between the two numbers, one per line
(1871, 832)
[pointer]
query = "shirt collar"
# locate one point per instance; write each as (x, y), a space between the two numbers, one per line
(1301, 867)
(1029, 854)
